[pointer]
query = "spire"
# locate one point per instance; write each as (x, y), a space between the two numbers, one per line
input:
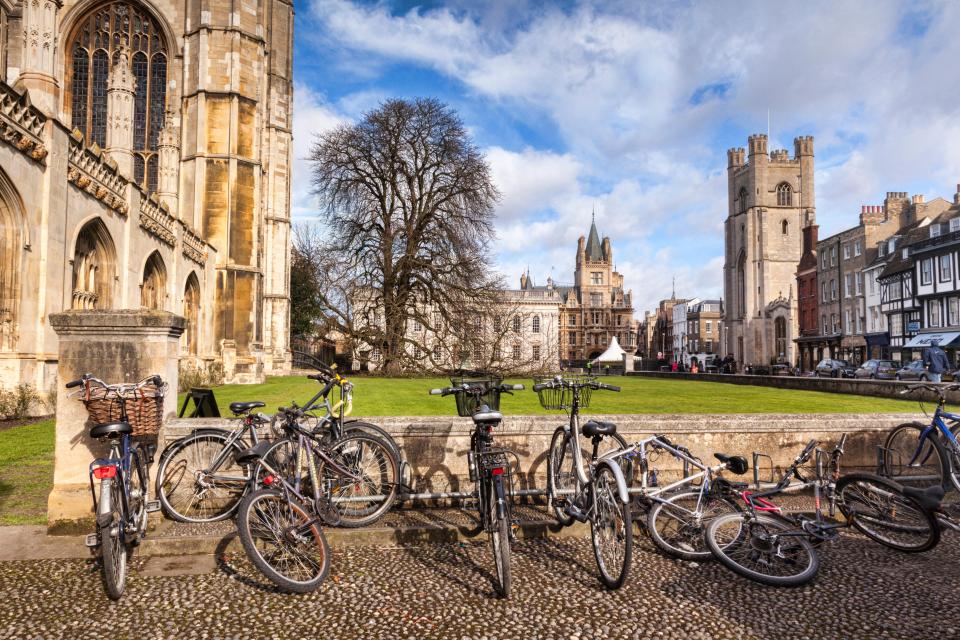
(594, 248)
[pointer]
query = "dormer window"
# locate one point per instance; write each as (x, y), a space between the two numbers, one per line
(934, 230)
(954, 224)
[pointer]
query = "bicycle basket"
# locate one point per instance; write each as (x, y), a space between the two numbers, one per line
(144, 408)
(562, 397)
(468, 404)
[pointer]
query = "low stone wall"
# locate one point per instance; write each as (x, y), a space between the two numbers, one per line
(436, 447)
(861, 387)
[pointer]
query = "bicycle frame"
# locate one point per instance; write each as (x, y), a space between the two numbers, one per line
(122, 462)
(226, 452)
(936, 424)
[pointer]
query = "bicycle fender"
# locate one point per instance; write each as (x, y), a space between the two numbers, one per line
(618, 475)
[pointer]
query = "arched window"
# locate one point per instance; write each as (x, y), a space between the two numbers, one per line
(11, 252)
(784, 227)
(536, 324)
(780, 337)
(516, 324)
(741, 285)
(94, 267)
(92, 48)
(153, 291)
(784, 195)
(742, 200)
(191, 312)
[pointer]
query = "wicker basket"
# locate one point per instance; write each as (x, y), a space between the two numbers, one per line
(468, 404)
(562, 397)
(144, 408)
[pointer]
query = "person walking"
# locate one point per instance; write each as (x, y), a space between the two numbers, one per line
(935, 361)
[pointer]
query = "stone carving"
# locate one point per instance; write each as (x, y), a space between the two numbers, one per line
(92, 170)
(21, 124)
(156, 220)
(193, 247)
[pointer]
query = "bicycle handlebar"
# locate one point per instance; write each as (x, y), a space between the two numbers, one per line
(559, 382)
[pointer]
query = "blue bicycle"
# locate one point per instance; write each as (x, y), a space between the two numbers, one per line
(924, 455)
(122, 503)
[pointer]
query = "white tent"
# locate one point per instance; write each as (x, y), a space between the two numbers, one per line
(614, 353)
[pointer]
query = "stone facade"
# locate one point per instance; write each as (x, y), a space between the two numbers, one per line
(145, 152)
(771, 199)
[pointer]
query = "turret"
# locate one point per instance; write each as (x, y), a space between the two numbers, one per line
(735, 158)
(803, 146)
(757, 145)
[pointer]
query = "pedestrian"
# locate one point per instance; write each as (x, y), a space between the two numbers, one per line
(674, 366)
(694, 368)
(935, 361)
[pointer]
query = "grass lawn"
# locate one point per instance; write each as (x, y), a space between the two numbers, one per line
(403, 396)
(26, 472)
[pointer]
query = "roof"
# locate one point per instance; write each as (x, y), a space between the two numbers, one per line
(916, 232)
(594, 248)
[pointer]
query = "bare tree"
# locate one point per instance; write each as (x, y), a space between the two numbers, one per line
(408, 206)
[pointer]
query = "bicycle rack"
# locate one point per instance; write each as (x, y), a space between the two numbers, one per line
(756, 469)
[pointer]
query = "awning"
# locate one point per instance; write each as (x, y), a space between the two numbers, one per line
(877, 339)
(924, 340)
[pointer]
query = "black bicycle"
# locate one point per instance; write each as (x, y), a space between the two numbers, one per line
(490, 467)
(122, 503)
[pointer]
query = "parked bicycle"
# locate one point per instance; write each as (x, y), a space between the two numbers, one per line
(199, 479)
(280, 525)
(767, 546)
(593, 490)
(489, 466)
(122, 503)
(922, 455)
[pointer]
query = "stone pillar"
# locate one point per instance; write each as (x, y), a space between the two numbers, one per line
(116, 346)
(39, 53)
(120, 114)
(168, 168)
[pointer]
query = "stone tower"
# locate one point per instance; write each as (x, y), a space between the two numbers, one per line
(770, 200)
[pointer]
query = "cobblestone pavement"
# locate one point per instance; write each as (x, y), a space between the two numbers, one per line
(445, 591)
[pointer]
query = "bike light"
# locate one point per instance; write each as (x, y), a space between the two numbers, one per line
(109, 471)
(268, 480)
(497, 471)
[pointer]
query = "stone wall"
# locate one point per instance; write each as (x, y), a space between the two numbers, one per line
(435, 447)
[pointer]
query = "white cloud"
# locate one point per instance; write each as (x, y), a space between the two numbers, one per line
(312, 115)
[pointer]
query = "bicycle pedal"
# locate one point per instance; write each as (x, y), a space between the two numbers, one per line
(574, 512)
(91, 540)
(153, 506)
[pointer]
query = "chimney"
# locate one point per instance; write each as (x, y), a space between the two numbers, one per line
(918, 198)
(956, 196)
(810, 238)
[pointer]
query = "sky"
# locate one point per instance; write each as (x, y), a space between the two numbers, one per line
(627, 109)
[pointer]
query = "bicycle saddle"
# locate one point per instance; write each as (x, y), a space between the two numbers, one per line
(929, 498)
(243, 407)
(596, 428)
(486, 414)
(253, 453)
(110, 430)
(736, 464)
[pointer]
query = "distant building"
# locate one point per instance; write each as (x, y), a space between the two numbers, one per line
(704, 326)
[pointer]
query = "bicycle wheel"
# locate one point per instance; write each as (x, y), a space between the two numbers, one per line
(561, 477)
(611, 530)
(365, 501)
(139, 492)
(677, 525)
(911, 462)
(879, 510)
(757, 548)
(499, 540)
(283, 540)
(186, 492)
(113, 547)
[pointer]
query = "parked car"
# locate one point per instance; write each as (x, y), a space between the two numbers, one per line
(877, 369)
(829, 368)
(913, 370)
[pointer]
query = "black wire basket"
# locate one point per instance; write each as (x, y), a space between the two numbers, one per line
(467, 404)
(561, 396)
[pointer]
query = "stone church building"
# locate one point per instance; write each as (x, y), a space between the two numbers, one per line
(771, 200)
(145, 154)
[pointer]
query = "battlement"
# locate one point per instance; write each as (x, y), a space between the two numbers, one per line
(802, 146)
(735, 157)
(757, 144)
(779, 155)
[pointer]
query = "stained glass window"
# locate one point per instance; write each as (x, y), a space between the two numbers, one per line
(94, 44)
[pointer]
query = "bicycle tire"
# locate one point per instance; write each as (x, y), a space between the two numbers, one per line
(375, 431)
(114, 553)
(139, 484)
(174, 470)
(611, 530)
(750, 544)
(878, 509)
(900, 446)
(385, 478)
(500, 542)
(266, 517)
(688, 542)
(559, 458)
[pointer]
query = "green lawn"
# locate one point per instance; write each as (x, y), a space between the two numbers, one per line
(406, 396)
(26, 472)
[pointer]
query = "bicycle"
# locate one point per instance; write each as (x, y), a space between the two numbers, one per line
(931, 451)
(599, 488)
(280, 525)
(490, 467)
(676, 520)
(198, 479)
(766, 546)
(124, 501)
(906, 519)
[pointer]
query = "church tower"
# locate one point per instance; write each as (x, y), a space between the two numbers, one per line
(770, 202)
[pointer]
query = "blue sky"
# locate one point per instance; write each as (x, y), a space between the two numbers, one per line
(628, 108)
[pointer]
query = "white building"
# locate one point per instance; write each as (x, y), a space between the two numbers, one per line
(680, 336)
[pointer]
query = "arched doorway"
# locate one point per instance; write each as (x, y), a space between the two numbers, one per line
(191, 311)
(94, 267)
(11, 254)
(153, 291)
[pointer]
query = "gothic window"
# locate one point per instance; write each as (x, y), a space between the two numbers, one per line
(153, 290)
(94, 267)
(93, 46)
(784, 227)
(742, 201)
(11, 250)
(741, 286)
(780, 336)
(191, 312)
(784, 195)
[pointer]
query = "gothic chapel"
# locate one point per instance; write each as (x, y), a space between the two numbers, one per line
(145, 153)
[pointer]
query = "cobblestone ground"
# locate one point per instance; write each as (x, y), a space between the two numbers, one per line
(445, 591)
